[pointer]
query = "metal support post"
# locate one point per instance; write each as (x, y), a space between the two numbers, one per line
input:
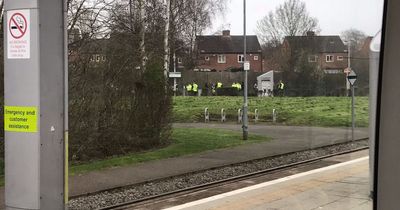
(349, 68)
(245, 104)
(223, 115)
(353, 115)
(35, 109)
(206, 115)
(174, 77)
(240, 116)
(256, 117)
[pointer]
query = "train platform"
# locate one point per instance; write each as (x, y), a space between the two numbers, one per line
(285, 139)
(341, 186)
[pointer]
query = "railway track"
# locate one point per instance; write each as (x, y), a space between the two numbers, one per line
(215, 184)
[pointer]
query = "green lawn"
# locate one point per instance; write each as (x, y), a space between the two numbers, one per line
(184, 141)
(306, 111)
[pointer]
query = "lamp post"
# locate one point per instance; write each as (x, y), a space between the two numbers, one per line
(245, 104)
(348, 67)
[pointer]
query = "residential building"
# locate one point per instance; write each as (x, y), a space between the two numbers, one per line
(225, 53)
(328, 52)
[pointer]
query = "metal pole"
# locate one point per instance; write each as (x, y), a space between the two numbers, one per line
(174, 71)
(348, 66)
(245, 105)
(353, 119)
(66, 106)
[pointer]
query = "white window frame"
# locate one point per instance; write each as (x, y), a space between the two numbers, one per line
(256, 58)
(98, 57)
(240, 58)
(312, 58)
(329, 58)
(207, 58)
(179, 60)
(340, 58)
(332, 71)
(221, 59)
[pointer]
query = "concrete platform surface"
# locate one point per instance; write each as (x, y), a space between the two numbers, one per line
(285, 139)
(342, 186)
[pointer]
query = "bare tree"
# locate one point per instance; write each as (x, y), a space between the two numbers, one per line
(353, 37)
(289, 19)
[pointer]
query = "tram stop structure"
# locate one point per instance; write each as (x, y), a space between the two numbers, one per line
(35, 112)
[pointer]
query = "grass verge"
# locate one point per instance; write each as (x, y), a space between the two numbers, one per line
(185, 141)
(298, 111)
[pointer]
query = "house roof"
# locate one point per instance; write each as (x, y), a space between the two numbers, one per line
(317, 44)
(227, 44)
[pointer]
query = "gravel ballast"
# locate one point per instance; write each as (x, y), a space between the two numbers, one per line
(157, 187)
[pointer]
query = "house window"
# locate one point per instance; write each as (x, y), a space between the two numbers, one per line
(221, 59)
(332, 71)
(329, 58)
(97, 58)
(256, 57)
(103, 58)
(240, 58)
(312, 58)
(207, 58)
(179, 60)
(340, 58)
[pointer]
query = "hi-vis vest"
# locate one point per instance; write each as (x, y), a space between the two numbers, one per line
(281, 86)
(189, 87)
(195, 86)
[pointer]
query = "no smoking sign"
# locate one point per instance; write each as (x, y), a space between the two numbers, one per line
(18, 34)
(17, 25)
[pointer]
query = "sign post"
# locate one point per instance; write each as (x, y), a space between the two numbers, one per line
(34, 109)
(352, 77)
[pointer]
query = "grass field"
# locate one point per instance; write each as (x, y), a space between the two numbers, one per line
(185, 141)
(310, 111)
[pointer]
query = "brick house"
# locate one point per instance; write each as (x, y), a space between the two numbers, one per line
(225, 53)
(328, 52)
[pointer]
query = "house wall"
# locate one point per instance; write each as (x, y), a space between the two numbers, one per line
(231, 62)
(336, 64)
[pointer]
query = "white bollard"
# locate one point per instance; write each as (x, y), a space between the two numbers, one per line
(240, 116)
(206, 115)
(274, 115)
(223, 115)
(256, 116)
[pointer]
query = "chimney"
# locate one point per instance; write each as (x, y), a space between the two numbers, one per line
(310, 33)
(226, 33)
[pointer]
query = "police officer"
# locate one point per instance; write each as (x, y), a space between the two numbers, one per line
(281, 88)
(195, 89)
(219, 84)
(189, 89)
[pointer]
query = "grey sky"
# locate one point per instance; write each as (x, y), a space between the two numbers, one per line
(334, 16)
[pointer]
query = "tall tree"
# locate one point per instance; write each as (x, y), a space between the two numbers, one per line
(289, 19)
(354, 37)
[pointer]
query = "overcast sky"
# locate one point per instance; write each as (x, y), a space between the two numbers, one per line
(334, 16)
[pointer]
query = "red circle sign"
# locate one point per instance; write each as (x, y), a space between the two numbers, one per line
(17, 25)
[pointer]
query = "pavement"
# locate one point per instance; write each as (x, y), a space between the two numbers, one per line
(285, 139)
(344, 186)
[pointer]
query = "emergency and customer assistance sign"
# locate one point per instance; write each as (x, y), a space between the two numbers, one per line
(18, 34)
(20, 119)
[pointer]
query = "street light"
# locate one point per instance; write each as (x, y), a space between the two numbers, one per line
(245, 104)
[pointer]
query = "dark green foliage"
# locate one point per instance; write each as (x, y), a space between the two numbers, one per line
(116, 109)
